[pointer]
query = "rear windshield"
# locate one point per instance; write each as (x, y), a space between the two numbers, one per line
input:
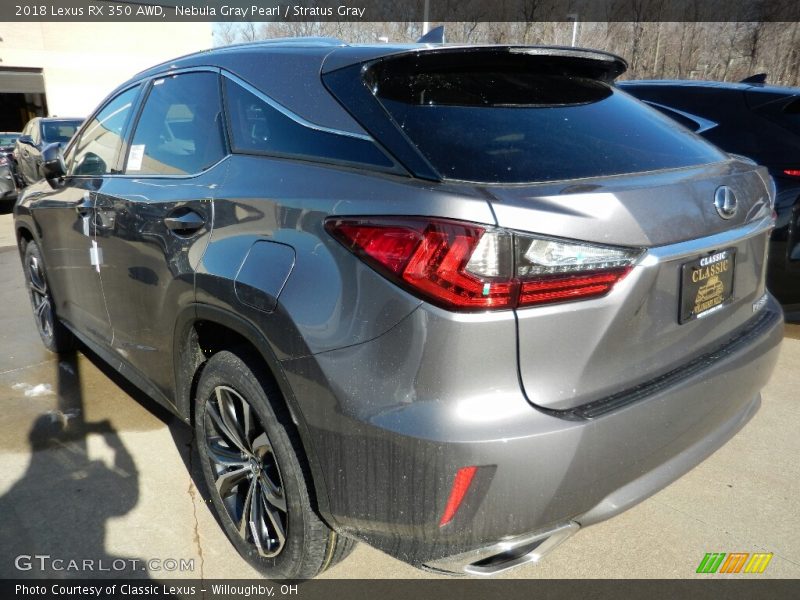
(59, 131)
(508, 123)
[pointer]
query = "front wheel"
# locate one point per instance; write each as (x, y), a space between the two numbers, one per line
(55, 336)
(254, 470)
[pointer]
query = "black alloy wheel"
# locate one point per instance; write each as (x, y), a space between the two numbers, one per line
(248, 479)
(256, 473)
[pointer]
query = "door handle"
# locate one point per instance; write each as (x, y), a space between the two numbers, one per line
(187, 221)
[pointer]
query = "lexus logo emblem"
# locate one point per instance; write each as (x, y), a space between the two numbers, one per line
(725, 202)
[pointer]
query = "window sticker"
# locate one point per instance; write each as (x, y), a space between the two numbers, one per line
(135, 157)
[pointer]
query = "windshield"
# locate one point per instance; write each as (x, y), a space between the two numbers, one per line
(59, 131)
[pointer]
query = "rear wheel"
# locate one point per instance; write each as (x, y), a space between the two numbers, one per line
(55, 336)
(255, 474)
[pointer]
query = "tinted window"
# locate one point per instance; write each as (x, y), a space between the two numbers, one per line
(59, 131)
(258, 128)
(8, 139)
(180, 130)
(509, 124)
(95, 153)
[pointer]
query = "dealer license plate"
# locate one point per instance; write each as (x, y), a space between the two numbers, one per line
(707, 284)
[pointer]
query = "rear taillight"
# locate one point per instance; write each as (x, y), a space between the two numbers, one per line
(792, 172)
(465, 266)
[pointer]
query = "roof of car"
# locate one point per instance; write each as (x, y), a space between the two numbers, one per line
(345, 54)
(295, 65)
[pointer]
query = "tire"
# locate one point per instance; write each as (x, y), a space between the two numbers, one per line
(55, 336)
(281, 535)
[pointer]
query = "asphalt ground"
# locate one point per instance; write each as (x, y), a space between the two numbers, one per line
(120, 485)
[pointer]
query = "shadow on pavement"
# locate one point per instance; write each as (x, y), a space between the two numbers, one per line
(60, 507)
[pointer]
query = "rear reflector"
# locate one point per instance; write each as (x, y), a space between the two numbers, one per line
(460, 487)
(469, 267)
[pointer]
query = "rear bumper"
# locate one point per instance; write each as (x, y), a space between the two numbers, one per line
(389, 470)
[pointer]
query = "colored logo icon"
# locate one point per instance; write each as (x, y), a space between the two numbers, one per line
(734, 562)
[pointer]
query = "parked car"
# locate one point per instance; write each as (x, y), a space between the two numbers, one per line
(8, 188)
(38, 133)
(761, 122)
(455, 302)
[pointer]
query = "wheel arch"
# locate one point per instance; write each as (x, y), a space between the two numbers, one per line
(225, 329)
(24, 236)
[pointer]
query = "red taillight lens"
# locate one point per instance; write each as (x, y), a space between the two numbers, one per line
(428, 256)
(387, 246)
(792, 172)
(464, 266)
(571, 287)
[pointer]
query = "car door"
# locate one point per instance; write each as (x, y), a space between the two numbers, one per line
(155, 220)
(66, 219)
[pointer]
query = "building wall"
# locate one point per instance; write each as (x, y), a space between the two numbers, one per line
(83, 62)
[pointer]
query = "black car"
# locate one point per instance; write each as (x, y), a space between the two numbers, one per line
(38, 133)
(8, 189)
(761, 122)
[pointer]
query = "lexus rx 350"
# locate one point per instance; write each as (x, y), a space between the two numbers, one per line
(452, 301)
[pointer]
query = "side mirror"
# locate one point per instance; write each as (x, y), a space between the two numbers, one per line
(53, 167)
(26, 139)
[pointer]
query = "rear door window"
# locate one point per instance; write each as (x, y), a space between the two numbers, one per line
(180, 131)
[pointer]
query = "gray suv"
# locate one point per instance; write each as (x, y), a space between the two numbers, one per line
(452, 301)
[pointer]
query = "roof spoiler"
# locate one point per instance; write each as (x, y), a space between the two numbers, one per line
(595, 64)
(434, 36)
(758, 79)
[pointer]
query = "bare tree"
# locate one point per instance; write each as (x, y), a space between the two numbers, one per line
(690, 49)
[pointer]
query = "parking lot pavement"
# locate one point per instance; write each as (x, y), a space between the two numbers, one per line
(90, 469)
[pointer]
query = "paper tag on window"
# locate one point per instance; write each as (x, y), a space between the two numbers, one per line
(135, 157)
(96, 256)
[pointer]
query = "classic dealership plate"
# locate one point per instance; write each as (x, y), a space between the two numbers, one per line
(707, 284)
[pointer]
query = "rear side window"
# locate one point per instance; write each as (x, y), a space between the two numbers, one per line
(507, 122)
(258, 127)
(96, 152)
(180, 131)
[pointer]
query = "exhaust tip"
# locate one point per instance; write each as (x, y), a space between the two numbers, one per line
(505, 555)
